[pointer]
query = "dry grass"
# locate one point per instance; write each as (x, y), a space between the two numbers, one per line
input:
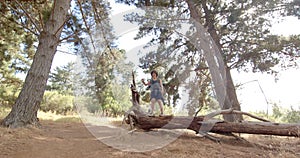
(73, 117)
(58, 117)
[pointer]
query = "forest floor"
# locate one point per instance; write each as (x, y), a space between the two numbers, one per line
(72, 139)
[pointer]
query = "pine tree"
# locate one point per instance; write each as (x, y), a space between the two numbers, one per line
(61, 79)
(55, 23)
(48, 31)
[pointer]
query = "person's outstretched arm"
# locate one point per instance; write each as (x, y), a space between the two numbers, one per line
(146, 84)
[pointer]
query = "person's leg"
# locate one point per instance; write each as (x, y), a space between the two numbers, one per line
(161, 106)
(152, 105)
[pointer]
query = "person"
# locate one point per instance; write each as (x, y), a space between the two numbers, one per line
(156, 94)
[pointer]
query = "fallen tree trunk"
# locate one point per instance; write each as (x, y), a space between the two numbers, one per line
(265, 128)
(199, 124)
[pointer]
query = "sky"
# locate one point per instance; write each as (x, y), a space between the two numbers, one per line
(260, 94)
(259, 90)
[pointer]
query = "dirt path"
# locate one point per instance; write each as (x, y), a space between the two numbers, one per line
(73, 140)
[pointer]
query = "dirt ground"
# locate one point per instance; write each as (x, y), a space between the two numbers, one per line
(74, 140)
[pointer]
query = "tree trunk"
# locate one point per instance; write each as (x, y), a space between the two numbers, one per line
(229, 98)
(232, 99)
(216, 126)
(24, 111)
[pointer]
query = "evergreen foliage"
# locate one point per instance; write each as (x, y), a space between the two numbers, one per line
(61, 79)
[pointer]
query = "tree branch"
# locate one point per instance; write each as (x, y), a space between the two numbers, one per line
(231, 111)
(29, 17)
(52, 13)
(98, 20)
(30, 30)
(86, 24)
(65, 52)
(41, 19)
(61, 27)
(66, 38)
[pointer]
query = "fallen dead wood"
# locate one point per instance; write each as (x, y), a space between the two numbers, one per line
(200, 124)
(264, 128)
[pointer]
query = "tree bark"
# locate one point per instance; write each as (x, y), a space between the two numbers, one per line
(24, 111)
(200, 123)
(232, 99)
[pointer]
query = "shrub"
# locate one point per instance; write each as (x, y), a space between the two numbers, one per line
(281, 115)
(292, 116)
(8, 95)
(55, 102)
(4, 111)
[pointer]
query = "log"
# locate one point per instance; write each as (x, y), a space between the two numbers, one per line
(200, 124)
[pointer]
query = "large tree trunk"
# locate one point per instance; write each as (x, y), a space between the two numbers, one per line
(229, 98)
(232, 99)
(200, 124)
(24, 111)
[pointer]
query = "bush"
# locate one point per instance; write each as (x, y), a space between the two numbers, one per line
(292, 116)
(281, 115)
(93, 107)
(55, 102)
(87, 103)
(8, 95)
(4, 111)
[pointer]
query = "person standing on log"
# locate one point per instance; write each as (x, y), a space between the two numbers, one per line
(156, 89)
